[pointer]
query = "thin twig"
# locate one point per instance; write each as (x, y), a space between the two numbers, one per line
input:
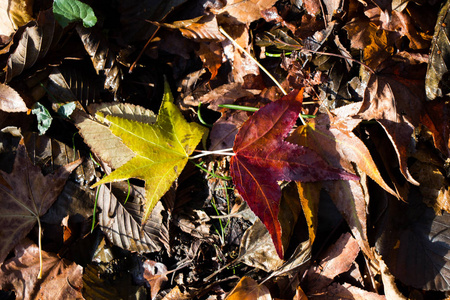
(252, 58)
(259, 65)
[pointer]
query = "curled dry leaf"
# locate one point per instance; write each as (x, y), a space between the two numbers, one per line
(249, 289)
(262, 157)
(155, 275)
(10, 100)
(13, 14)
(203, 28)
(103, 58)
(34, 44)
(436, 80)
(26, 196)
(61, 279)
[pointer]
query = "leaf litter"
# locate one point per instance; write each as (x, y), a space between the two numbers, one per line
(214, 215)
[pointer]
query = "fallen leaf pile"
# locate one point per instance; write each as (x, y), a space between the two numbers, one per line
(255, 149)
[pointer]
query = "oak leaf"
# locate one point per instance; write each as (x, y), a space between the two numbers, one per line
(26, 196)
(262, 157)
(162, 150)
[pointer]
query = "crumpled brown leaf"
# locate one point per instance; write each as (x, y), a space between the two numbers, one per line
(249, 289)
(61, 279)
(155, 275)
(245, 11)
(26, 195)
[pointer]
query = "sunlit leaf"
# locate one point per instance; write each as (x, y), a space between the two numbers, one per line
(249, 289)
(43, 116)
(68, 11)
(161, 149)
(10, 100)
(262, 157)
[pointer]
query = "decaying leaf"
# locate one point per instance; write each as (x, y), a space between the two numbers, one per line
(13, 14)
(436, 80)
(377, 44)
(262, 157)
(61, 278)
(120, 226)
(245, 11)
(34, 44)
(413, 242)
(10, 100)
(162, 149)
(155, 275)
(103, 58)
(200, 28)
(26, 196)
(249, 289)
(338, 259)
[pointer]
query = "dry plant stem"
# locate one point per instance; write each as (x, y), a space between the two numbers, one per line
(256, 62)
(252, 58)
(40, 249)
(143, 49)
(329, 54)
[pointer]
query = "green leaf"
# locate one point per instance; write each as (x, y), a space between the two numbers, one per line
(67, 11)
(67, 109)
(162, 149)
(43, 117)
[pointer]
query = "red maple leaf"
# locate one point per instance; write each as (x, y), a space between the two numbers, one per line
(262, 157)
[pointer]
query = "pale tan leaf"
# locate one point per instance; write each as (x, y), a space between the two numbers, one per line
(203, 28)
(13, 14)
(10, 100)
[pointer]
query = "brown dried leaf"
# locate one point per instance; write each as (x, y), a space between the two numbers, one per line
(61, 279)
(26, 196)
(10, 100)
(211, 55)
(225, 94)
(338, 291)
(245, 11)
(155, 274)
(34, 44)
(376, 43)
(257, 249)
(336, 260)
(249, 289)
(176, 294)
(225, 129)
(102, 56)
(203, 28)
(436, 81)
(122, 225)
(13, 14)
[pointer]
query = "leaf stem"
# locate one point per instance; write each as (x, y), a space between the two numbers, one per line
(259, 65)
(40, 249)
(252, 109)
(215, 152)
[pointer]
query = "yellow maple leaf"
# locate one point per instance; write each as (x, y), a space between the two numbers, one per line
(162, 149)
